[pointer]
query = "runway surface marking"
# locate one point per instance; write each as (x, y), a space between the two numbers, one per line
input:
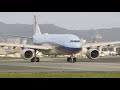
(49, 65)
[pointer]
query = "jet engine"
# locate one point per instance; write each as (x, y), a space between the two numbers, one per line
(27, 54)
(92, 53)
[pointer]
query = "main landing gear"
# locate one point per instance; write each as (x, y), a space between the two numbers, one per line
(35, 59)
(71, 59)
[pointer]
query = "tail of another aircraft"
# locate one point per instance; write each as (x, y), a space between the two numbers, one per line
(36, 26)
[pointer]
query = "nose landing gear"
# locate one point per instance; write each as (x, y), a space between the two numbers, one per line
(71, 59)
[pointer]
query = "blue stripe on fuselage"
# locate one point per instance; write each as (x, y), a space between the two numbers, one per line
(68, 50)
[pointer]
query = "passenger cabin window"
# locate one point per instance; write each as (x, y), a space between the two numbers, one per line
(75, 41)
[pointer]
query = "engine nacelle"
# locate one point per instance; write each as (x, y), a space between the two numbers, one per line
(27, 54)
(92, 53)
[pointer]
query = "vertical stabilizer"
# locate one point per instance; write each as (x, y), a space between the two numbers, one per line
(36, 26)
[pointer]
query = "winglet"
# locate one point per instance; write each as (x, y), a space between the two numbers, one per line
(36, 26)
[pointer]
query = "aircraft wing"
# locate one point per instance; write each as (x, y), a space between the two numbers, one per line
(100, 44)
(38, 47)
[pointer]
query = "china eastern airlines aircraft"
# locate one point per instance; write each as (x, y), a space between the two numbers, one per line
(56, 44)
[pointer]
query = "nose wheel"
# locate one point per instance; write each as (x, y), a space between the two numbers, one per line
(71, 59)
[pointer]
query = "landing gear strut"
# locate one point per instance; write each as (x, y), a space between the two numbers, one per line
(35, 59)
(71, 59)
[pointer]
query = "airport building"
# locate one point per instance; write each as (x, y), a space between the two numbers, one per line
(13, 40)
(11, 51)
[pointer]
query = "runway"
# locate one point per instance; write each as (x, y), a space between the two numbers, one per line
(60, 65)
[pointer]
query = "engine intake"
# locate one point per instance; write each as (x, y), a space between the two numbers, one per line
(27, 54)
(92, 54)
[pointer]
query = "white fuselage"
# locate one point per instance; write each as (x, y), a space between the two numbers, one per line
(62, 44)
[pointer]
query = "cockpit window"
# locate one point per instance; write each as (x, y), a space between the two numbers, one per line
(75, 41)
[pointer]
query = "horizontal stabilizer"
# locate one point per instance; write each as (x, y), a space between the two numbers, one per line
(18, 36)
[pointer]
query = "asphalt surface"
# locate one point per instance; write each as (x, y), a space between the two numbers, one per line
(61, 65)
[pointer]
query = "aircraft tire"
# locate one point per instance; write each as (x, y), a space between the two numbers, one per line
(71, 60)
(74, 60)
(37, 59)
(68, 59)
(33, 59)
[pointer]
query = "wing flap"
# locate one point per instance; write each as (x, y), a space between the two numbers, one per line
(18, 36)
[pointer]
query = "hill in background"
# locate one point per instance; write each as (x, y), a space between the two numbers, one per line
(111, 34)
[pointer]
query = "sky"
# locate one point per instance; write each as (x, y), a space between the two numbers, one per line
(68, 20)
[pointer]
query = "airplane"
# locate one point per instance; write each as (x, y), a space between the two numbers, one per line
(55, 44)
